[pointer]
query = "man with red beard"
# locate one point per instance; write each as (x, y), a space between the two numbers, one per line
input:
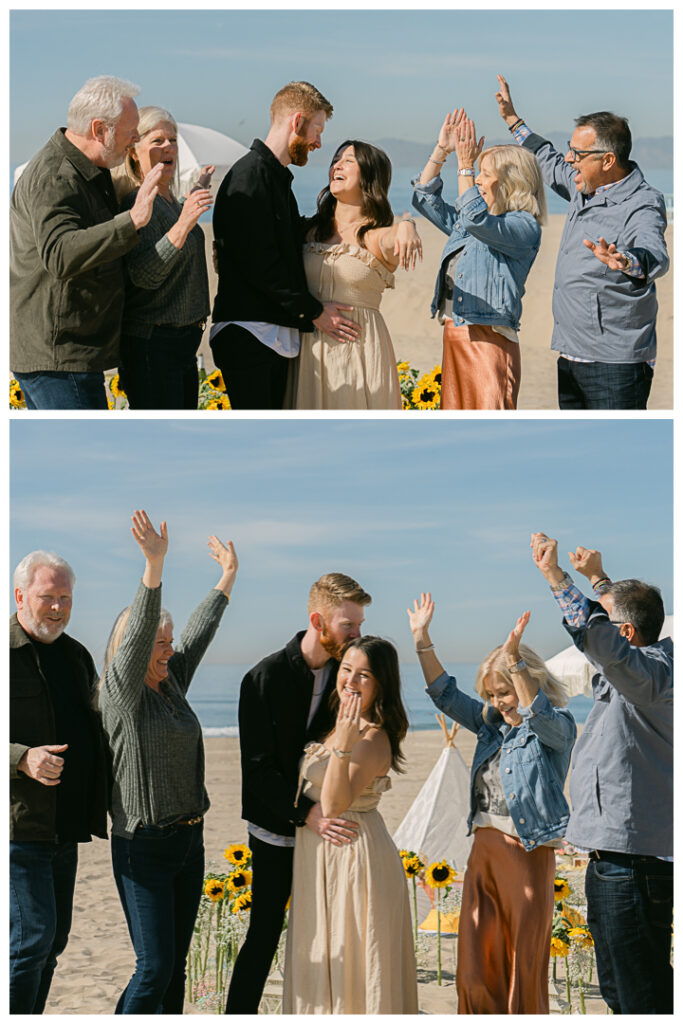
(284, 704)
(263, 302)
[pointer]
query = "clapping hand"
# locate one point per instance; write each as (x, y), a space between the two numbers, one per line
(511, 645)
(204, 179)
(467, 149)
(504, 101)
(607, 254)
(152, 544)
(450, 130)
(588, 562)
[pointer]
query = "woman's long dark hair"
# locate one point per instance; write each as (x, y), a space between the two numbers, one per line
(387, 712)
(375, 179)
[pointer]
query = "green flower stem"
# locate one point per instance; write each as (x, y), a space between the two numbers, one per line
(438, 935)
(568, 983)
(415, 911)
(554, 968)
(582, 1001)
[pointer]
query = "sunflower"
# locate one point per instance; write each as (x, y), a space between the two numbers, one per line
(215, 381)
(403, 368)
(440, 874)
(237, 853)
(404, 853)
(16, 395)
(435, 376)
(115, 387)
(242, 902)
(220, 402)
(238, 879)
(558, 947)
(214, 888)
(426, 394)
(412, 866)
(581, 937)
(562, 889)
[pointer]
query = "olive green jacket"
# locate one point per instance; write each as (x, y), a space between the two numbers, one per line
(67, 241)
(33, 806)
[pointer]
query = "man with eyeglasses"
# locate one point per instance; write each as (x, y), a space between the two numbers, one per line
(621, 784)
(612, 249)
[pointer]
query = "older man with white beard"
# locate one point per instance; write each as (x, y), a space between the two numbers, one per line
(58, 773)
(67, 240)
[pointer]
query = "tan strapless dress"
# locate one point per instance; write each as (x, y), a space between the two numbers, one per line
(349, 935)
(358, 374)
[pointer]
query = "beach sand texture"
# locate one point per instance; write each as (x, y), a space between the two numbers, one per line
(99, 959)
(417, 338)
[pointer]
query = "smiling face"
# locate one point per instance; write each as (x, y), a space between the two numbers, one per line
(590, 173)
(119, 138)
(345, 176)
(307, 138)
(339, 625)
(44, 607)
(157, 670)
(487, 182)
(159, 146)
(356, 677)
(501, 695)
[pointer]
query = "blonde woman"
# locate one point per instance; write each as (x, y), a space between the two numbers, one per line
(494, 230)
(518, 813)
(158, 798)
(167, 285)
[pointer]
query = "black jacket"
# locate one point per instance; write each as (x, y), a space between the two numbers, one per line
(275, 700)
(33, 806)
(259, 236)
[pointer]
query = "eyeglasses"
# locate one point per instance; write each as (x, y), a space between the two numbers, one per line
(579, 154)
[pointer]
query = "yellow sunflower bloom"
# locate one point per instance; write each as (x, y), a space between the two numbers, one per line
(412, 866)
(115, 387)
(581, 937)
(404, 853)
(16, 395)
(242, 902)
(562, 889)
(219, 402)
(237, 853)
(238, 879)
(403, 369)
(558, 947)
(215, 380)
(440, 874)
(426, 394)
(435, 375)
(214, 888)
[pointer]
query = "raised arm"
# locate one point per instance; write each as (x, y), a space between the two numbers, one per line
(526, 688)
(153, 546)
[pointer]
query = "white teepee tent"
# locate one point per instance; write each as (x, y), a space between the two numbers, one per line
(436, 823)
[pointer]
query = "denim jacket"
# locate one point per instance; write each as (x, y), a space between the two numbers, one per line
(534, 762)
(497, 253)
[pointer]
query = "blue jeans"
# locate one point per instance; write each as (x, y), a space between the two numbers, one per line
(161, 372)
(630, 910)
(42, 878)
(48, 390)
(159, 874)
(603, 385)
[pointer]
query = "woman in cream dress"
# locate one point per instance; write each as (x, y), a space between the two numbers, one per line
(349, 936)
(351, 252)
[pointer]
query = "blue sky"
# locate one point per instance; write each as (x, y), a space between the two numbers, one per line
(388, 73)
(401, 505)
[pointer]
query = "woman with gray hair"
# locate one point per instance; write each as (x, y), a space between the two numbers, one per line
(167, 286)
(517, 811)
(158, 795)
(494, 230)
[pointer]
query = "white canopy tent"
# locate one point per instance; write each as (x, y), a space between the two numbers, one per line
(573, 668)
(197, 147)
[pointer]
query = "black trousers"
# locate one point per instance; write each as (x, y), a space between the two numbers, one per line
(271, 885)
(255, 376)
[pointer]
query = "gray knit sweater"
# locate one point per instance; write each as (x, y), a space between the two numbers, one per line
(155, 738)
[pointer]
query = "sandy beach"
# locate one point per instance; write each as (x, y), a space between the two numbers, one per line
(99, 959)
(417, 338)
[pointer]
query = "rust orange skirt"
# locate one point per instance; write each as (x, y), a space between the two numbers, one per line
(505, 925)
(480, 370)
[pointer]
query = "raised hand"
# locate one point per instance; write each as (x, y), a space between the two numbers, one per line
(141, 210)
(204, 179)
(226, 557)
(607, 254)
(588, 562)
(543, 551)
(198, 201)
(450, 130)
(511, 645)
(420, 615)
(152, 544)
(348, 729)
(504, 100)
(467, 149)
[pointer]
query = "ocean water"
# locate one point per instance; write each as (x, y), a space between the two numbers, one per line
(307, 185)
(214, 695)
